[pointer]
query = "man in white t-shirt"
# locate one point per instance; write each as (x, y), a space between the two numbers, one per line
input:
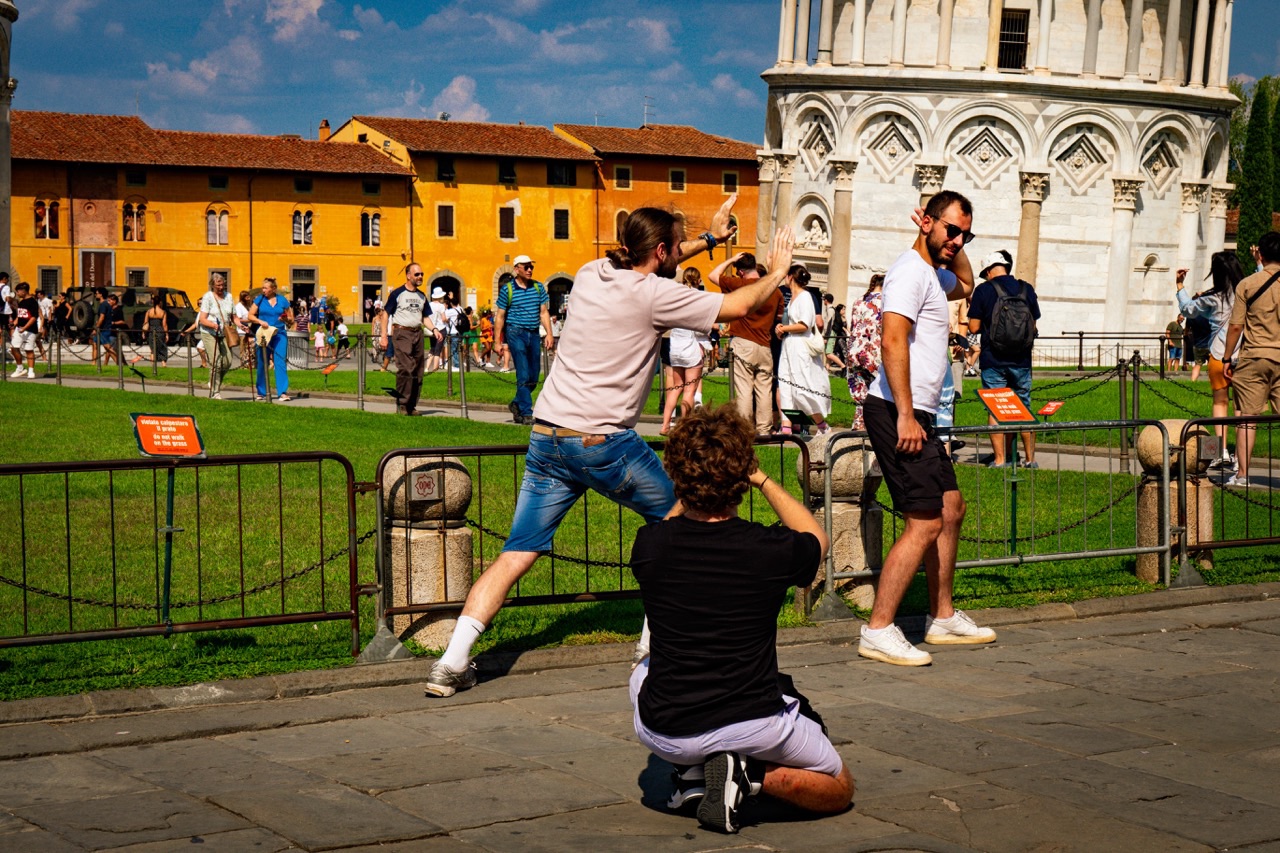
(900, 418)
(583, 431)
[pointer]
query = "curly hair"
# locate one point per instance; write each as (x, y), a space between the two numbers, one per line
(710, 458)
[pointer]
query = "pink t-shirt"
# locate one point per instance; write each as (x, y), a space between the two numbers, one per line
(605, 360)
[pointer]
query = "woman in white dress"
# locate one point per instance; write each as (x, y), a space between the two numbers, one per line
(688, 352)
(802, 378)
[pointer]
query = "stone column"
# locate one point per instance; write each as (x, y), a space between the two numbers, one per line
(898, 47)
(1198, 39)
(764, 208)
(1042, 52)
(946, 11)
(1172, 36)
(787, 33)
(1217, 44)
(1035, 186)
(1124, 205)
(1224, 74)
(1216, 239)
(929, 177)
(803, 20)
(826, 26)
(841, 229)
(1193, 196)
(1133, 52)
(1092, 26)
(786, 175)
(994, 19)
(859, 33)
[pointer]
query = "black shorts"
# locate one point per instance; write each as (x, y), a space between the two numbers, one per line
(918, 481)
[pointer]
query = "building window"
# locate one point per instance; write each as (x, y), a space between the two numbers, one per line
(370, 229)
(560, 224)
(506, 171)
(226, 276)
(216, 227)
(506, 223)
(134, 223)
(562, 174)
(302, 227)
(444, 220)
(1014, 26)
(303, 185)
(728, 182)
(219, 182)
(619, 221)
(46, 220)
(135, 277)
(622, 177)
(135, 179)
(677, 180)
(371, 187)
(304, 279)
(733, 223)
(50, 280)
(445, 171)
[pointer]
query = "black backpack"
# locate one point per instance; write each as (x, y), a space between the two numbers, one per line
(1013, 327)
(463, 323)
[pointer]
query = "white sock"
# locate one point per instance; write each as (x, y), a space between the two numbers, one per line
(458, 655)
(644, 634)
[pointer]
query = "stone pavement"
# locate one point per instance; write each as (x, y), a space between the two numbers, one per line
(1140, 724)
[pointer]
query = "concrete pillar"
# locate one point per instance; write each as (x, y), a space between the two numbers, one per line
(1224, 73)
(1042, 51)
(786, 175)
(803, 20)
(8, 14)
(857, 522)
(841, 229)
(898, 46)
(994, 18)
(1092, 28)
(946, 11)
(1200, 494)
(1124, 206)
(1193, 196)
(1198, 40)
(826, 31)
(787, 33)
(859, 45)
(1217, 43)
(1172, 38)
(929, 178)
(764, 208)
(1133, 52)
(1035, 186)
(1217, 236)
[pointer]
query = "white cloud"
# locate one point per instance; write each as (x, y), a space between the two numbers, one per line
(458, 99)
(726, 85)
(348, 35)
(655, 35)
(292, 17)
(65, 13)
(236, 66)
(115, 29)
(227, 123)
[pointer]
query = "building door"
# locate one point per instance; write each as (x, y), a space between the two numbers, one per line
(558, 293)
(97, 268)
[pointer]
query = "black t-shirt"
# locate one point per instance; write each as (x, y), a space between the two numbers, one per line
(712, 591)
(27, 308)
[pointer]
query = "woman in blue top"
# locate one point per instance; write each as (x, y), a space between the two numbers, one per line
(270, 311)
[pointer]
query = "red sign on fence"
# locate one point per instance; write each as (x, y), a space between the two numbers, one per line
(1005, 407)
(167, 435)
(1050, 408)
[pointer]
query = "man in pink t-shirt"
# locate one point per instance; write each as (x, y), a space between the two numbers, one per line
(583, 432)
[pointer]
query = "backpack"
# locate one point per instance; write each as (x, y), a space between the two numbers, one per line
(1013, 328)
(464, 323)
(537, 285)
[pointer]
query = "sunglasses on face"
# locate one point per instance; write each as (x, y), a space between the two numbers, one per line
(954, 231)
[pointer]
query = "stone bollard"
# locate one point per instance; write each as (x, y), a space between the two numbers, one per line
(857, 525)
(427, 545)
(1199, 496)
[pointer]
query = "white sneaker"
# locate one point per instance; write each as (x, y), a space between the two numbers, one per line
(891, 647)
(17, 371)
(31, 373)
(957, 629)
(1238, 481)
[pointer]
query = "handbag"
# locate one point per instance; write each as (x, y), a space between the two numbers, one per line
(815, 343)
(229, 329)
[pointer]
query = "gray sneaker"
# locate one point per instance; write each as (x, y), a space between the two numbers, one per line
(444, 682)
(891, 647)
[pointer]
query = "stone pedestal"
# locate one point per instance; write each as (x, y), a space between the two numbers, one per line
(1199, 518)
(857, 524)
(428, 565)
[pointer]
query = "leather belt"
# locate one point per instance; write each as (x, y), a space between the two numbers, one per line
(588, 439)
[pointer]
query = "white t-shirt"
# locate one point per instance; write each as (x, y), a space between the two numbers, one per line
(46, 308)
(451, 320)
(342, 330)
(918, 292)
(218, 309)
(602, 389)
(6, 293)
(436, 310)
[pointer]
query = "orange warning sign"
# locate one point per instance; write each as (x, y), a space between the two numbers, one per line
(1005, 407)
(167, 435)
(1050, 408)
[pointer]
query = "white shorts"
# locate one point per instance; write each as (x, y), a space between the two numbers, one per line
(25, 341)
(787, 738)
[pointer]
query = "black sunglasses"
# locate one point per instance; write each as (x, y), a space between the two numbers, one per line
(954, 231)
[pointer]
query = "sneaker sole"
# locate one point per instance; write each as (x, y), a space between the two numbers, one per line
(714, 812)
(884, 657)
(683, 800)
(442, 691)
(957, 640)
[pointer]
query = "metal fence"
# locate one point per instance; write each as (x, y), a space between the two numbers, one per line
(145, 547)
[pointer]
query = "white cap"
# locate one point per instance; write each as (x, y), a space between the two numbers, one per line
(521, 259)
(438, 293)
(1000, 257)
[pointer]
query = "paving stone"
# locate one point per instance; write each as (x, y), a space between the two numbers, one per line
(971, 679)
(942, 702)
(619, 725)
(950, 745)
(338, 737)
(587, 702)
(1191, 812)
(23, 739)
(44, 708)
(1226, 775)
(444, 722)
(115, 821)
(1256, 712)
(1264, 626)
(60, 779)
(1163, 663)
(631, 772)
(1089, 704)
(541, 740)
(993, 819)
(222, 767)
(478, 802)
(36, 840)
(391, 700)
(435, 844)
(880, 774)
(1218, 733)
(1227, 644)
(793, 660)
(1143, 687)
(254, 840)
(596, 677)
(1079, 736)
(325, 817)
(388, 770)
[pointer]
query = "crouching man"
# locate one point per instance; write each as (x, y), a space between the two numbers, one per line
(707, 699)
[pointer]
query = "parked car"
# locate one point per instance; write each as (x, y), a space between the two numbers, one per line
(135, 301)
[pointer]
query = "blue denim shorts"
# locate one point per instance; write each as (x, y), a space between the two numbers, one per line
(1018, 379)
(558, 470)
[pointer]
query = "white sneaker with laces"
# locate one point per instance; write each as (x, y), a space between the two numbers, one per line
(17, 371)
(1238, 481)
(957, 629)
(889, 646)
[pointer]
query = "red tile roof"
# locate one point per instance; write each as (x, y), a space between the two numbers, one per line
(478, 138)
(660, 140)
(129, 141)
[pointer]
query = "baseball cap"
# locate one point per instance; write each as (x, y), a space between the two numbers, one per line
(1000, 257)
(438, 293)
(521, 259)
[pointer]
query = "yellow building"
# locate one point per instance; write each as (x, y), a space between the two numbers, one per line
(111, 200)
(486, 193)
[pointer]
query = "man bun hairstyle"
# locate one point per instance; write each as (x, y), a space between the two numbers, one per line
(799, 273)
(939, 204)
(710, 456)
(645, 229)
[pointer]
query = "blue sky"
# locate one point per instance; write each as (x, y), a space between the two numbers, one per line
(279, 66)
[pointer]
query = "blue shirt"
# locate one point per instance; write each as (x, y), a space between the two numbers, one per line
(524, 308)
(272, 314)
(984, 303)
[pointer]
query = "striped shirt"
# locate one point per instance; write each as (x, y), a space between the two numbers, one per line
(524, 308)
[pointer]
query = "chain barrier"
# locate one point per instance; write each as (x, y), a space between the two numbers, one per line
(579, 561)
(1242, 494)
(1146, 384)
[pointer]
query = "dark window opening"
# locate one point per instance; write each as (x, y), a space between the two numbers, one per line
(506, 223)
(506, 171)
(560, 224)
(1014, 27)
(445, 171)
(444, 220)
(562, 174)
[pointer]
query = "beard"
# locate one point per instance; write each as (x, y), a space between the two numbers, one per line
(667, 269)
(940, 252)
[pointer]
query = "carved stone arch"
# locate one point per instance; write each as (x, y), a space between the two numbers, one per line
(1014, 123)
(450, 280)
(1187, 137)
(1082, 155)
(1213, 165)
(871, 110)
(813, 137)
(889, 144)
(773, 126)
(984, 147)
(801, 111)
(1125, 160)
(812, 208)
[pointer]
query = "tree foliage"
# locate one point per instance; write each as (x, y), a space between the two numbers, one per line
(1257, 183)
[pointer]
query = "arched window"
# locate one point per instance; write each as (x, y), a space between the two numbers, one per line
(216, 224)
(133, 224)
(733, 238)
(370, 229)
(619, 221)
(302, 227)
(46, 220)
